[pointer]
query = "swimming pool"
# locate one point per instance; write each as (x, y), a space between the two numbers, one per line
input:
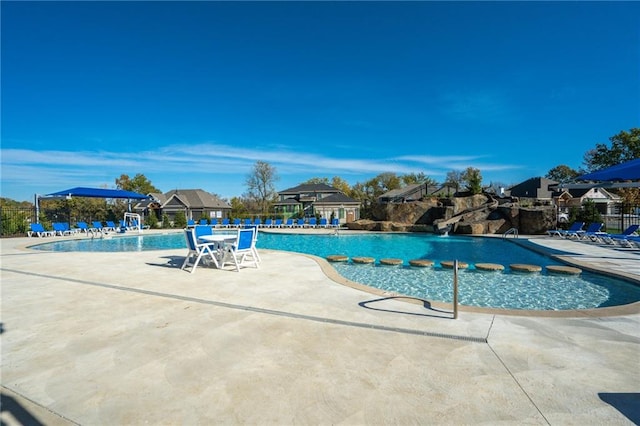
(505, 290)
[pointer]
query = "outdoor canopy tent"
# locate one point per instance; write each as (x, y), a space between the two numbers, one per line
(624, 175)
(628, 171)
(97, 193)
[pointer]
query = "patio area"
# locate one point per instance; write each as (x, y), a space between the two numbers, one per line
(129, 338)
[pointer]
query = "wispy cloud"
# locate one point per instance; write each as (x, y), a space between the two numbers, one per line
(211, 165)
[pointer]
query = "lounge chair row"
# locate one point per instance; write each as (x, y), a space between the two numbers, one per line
(63, 228)
(268, 223)
(593, 233)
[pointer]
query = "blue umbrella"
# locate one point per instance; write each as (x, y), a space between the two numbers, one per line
(629, 171)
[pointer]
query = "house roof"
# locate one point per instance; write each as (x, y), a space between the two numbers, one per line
(196, 198)
(309, 187)
(191, 198)
(338, 198)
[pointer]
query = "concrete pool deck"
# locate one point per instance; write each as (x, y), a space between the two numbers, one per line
(129, 338)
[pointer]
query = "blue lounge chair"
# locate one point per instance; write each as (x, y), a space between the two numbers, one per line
(38, 230)
(268, 223)
(323, 223)
(237, 223)
(97, 227)
(111, 226)
(203, 222)
(289, 223)
(591, 232)
(214, 222)
(225, 222)
(335, 223)
(313, 222)
(575, 227)
(191, 223)
(277, 223)
(300, 223)
(59, 228)
(257, 222)
(83, 227)
(623, 238)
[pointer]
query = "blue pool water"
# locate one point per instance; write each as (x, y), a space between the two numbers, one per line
(506, 290)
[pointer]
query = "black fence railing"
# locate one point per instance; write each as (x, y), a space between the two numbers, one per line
(15, 221)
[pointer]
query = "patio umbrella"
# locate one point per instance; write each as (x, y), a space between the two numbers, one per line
(629, 171)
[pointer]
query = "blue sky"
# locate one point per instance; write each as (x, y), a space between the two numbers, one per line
(192, 94)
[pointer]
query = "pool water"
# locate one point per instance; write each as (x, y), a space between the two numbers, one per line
(506, 290)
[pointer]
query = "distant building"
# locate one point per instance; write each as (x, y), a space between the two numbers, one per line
(605, 202)
(309, 200)
(537, 188)
(545, 190)
(194, 203)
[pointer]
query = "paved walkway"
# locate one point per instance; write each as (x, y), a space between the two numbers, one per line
(129, 338)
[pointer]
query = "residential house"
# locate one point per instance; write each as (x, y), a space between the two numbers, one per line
(309, 200)
(605, 202)
(194, 203)
(546, 190)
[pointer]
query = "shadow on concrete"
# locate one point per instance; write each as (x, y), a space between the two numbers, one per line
(436, 313)
(12, 408)
(627, 403)
(172, 262)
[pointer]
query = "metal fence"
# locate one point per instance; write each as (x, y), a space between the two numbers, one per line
(15, 221)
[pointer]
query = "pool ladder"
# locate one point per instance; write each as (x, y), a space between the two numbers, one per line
(513, 231)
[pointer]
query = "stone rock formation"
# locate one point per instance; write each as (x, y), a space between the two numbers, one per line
(474, 214)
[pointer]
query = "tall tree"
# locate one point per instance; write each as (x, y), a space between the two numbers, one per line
(338, 183)
(562, 173)
(415, 178)
(625, 146)
(261, 185)
(139, 184)
(473, 180)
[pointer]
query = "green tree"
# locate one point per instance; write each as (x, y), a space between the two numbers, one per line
(139, 184)
(562, 173)
(589, 212)
(625, 146)
(338, 183)
(316, 181)
(152, 219)
(261, 185)
(473, 180)
(238, 209)
(415, 178)
(180, 221)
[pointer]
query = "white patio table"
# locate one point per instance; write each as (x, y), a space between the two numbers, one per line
(220, 241)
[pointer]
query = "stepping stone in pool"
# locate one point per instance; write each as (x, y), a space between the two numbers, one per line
(565, 270)
(522, 267)
(337, 258)
(362, 260)
(391, 262)
(449, 264)
(421, 263)
(489, 267)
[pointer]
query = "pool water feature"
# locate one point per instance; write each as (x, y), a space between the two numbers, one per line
(501, 289)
